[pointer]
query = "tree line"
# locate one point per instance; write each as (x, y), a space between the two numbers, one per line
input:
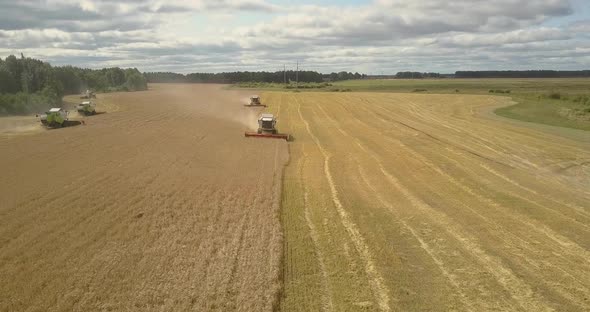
(523, 74)
(29, 85)
(416, 75)
(247, 76)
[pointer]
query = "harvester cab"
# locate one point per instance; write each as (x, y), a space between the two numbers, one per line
(267, 128)
(86, 108)
(255, 102)
(54, 118)
(267, 123)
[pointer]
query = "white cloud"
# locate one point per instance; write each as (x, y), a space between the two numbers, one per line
(256, 34)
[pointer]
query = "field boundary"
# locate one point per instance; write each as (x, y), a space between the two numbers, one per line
(489, 112)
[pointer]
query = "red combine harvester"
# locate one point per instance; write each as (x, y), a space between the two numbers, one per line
(267, 128)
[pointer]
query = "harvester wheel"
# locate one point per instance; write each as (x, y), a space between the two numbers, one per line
(259, 131)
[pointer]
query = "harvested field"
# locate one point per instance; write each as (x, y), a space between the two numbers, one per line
(404, 202)
(162, 205)
(390, 202)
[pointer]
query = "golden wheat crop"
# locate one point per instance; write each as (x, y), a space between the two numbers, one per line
(402, 202)
(162, 205)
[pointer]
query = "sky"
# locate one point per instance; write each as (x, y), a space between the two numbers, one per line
(367, 36)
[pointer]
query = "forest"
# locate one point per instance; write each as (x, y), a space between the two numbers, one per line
(246, 76)
(416, 75)
(523, 74)
(29, 85)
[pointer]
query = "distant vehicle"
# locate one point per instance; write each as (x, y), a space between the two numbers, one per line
(88, 95)
(54, 118)
(267, 128)
(255, 102)
(87, 108)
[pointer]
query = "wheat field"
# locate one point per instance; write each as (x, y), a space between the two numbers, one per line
(162, 205)
(380, 202)
(405, 202)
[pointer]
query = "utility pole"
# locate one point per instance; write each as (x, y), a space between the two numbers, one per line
(284, 74)
(297, 76)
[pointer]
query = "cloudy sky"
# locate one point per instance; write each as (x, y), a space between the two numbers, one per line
(369, 36)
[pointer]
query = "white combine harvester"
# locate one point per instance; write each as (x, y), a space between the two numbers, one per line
(86, 108)
(267, 128)
(88, 95)
(255, 102)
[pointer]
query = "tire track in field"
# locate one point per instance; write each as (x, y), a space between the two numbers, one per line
(508, 154)
(572, 248)
(543, 230)
(328, 304)
(533, 145)
(430, 250)
(376, 281)
(519, 290)
(451, 149)
(440, 140)
(569, 248)
(452, 278)
(438, 121)
(423, 244)
(580, 210)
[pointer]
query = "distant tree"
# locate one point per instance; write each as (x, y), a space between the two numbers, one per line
(115, 76)
(523, 74)
(28, 85)
(134, 80)
(14, 67)
(7, 82)
(71, 79)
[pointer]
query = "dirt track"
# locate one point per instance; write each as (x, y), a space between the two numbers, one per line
(401, 202)
(162, 205)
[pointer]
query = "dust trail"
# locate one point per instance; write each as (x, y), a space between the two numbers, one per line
(248, 117)
(17, 125)
(245, 116)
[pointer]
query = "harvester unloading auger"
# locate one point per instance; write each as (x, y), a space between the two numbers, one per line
(267, 128)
